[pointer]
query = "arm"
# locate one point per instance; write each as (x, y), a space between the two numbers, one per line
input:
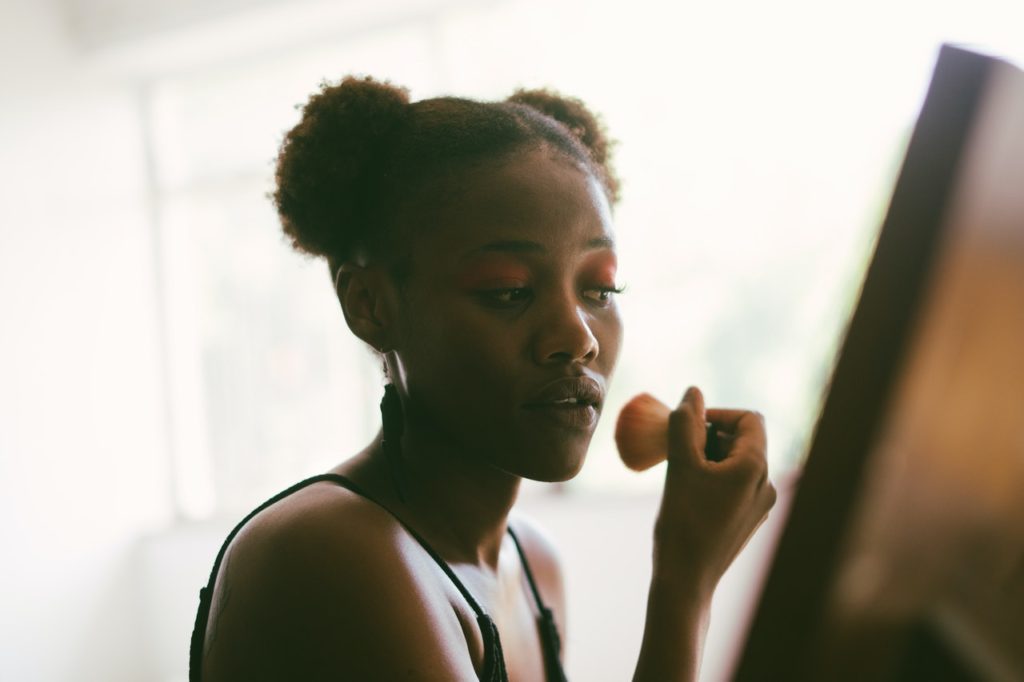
(708, 512)
(328, 588)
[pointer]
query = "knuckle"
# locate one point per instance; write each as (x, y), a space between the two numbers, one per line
(747, 466)
(755, 421)
(754, 458)
(757, 455)
(752, 468)
(762, 478)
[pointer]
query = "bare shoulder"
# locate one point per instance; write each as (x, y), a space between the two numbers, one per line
(326, 578)
(545, 563)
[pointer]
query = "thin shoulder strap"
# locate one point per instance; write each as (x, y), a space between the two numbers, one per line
(347, 483)
(195, 650)
(549, 638)
(494, 660)
(494, 657)
(526, 569)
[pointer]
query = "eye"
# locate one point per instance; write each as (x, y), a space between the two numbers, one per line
(602, 296)
(506, 297)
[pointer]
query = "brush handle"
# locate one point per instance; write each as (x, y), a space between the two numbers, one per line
(713, 444)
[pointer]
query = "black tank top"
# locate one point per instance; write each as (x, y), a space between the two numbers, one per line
(494, 661)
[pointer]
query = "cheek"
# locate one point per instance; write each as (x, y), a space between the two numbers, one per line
(458, 353)
(462, 382)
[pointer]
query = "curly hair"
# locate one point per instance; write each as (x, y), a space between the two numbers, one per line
(362, 151)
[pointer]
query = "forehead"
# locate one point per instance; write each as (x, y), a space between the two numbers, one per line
(537, 198)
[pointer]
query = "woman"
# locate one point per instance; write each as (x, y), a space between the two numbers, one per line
(471, 247)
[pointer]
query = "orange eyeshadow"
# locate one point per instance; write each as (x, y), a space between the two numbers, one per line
(493, 273)
(601, 268)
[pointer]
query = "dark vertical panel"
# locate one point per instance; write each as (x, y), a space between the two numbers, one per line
(784, 631)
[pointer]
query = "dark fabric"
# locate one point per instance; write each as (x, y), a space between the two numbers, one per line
(549, 639)
(494, 660)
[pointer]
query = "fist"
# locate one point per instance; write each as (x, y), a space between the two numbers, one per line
(710, 506)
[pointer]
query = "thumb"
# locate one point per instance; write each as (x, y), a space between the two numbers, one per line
(686, 430)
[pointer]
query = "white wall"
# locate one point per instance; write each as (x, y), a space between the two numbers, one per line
(81, 429)
(96, 583)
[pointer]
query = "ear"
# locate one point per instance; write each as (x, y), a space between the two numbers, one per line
(368, 300)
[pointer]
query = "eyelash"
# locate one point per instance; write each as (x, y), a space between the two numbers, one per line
(520, 294)
(606, 293)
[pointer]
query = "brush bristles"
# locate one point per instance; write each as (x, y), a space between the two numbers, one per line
(641, 433)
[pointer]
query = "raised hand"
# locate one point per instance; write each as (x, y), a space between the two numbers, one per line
(710, 509)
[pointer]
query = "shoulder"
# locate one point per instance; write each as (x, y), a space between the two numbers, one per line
(322, 518)
(324, 534)
(324, 576)
(545, 563)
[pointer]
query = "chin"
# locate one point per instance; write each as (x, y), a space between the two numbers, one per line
(556, 467)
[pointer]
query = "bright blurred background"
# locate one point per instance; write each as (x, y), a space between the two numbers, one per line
(166, 362)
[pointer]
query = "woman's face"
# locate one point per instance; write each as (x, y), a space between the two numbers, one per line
(509, 329)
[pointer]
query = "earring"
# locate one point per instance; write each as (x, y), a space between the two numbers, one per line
(393, 425)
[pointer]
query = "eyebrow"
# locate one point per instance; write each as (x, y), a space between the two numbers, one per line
(527, 246)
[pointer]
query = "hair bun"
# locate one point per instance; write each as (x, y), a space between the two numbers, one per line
(573, 114)
(323, 161)
(581, 122)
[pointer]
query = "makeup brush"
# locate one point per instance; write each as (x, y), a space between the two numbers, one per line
(641, 433)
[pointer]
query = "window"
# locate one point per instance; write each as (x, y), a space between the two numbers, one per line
(755, 167)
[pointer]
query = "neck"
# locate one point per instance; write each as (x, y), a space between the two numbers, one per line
(457, 501)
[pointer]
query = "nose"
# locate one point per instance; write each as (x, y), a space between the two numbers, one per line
(566, 336)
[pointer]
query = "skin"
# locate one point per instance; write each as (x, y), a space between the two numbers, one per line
(508, 295)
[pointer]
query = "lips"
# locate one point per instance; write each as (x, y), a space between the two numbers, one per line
(572, 402)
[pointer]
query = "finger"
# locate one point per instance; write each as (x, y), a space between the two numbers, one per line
(731, 419)
(695, 398)
(747, 459)
(744, 423)
(686, 429)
